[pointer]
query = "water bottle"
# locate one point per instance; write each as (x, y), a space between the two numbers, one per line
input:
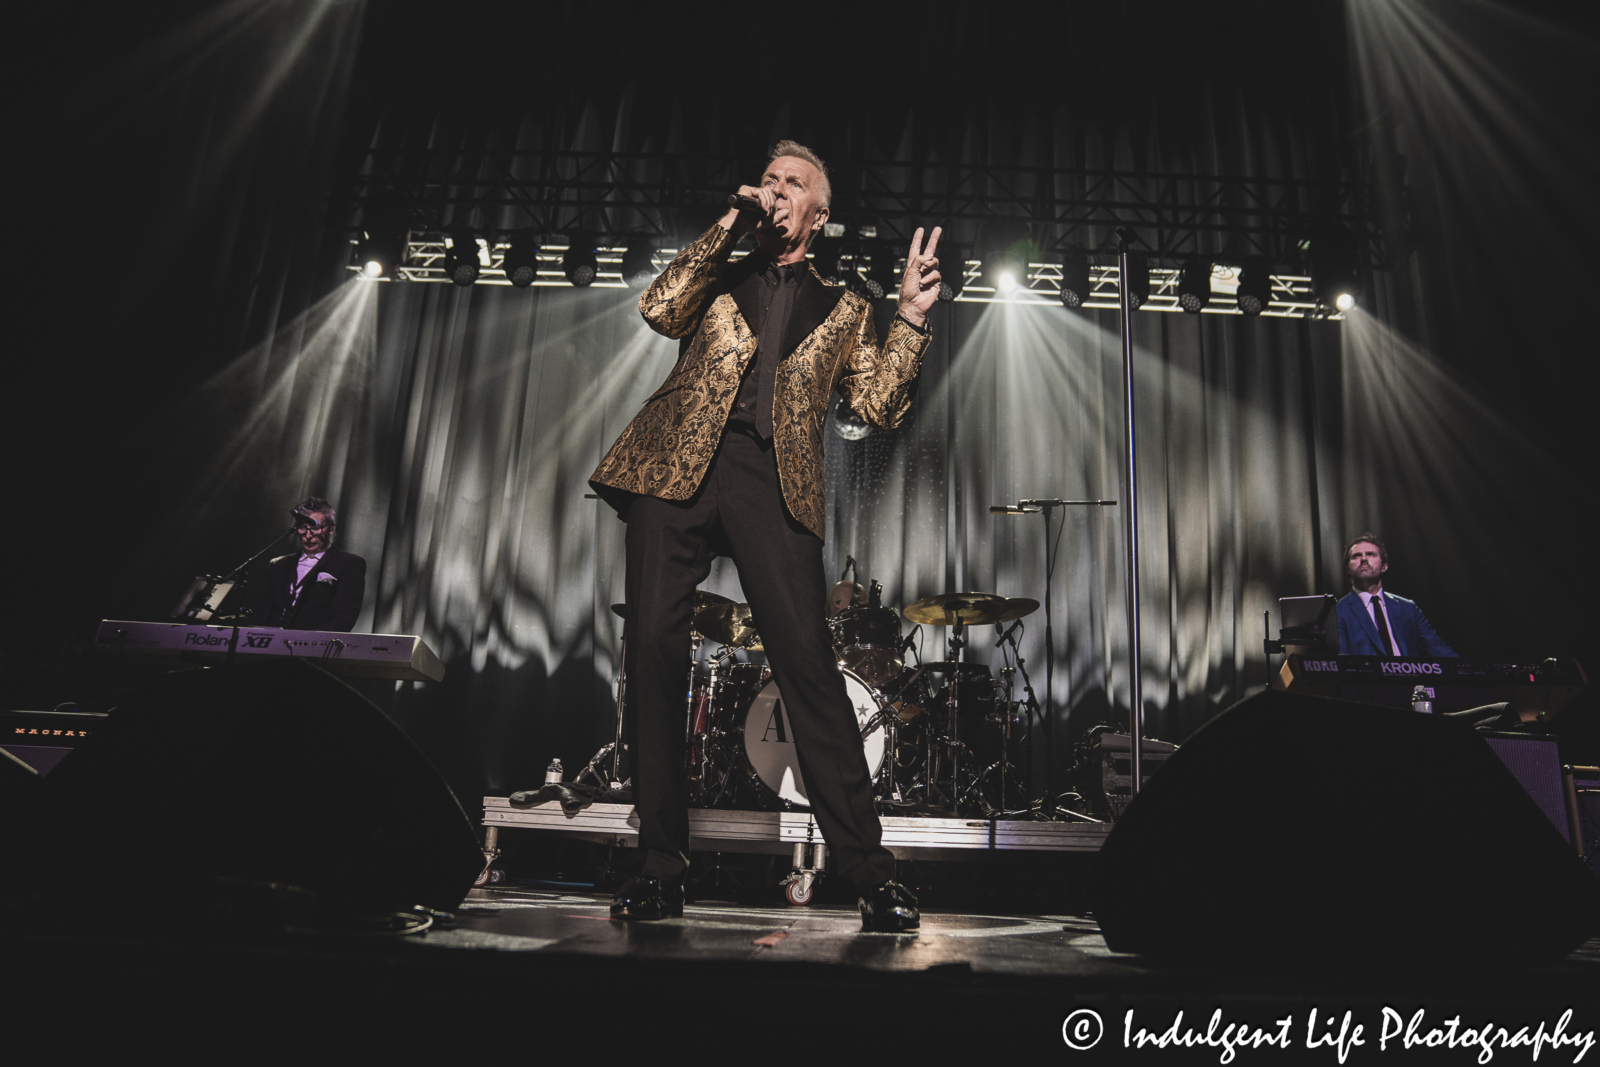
(1422, 700)
(552, 773)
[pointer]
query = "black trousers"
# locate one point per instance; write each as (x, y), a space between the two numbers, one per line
(739, 511)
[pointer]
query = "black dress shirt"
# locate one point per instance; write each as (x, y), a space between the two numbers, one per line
(753, 405)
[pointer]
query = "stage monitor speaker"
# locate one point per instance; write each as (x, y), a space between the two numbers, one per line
(261, 773)
(1298, 828)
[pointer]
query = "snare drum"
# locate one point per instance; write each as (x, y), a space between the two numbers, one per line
(769, 740)
(868, 643)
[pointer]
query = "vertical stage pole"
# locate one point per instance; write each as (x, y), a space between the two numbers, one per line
(1130, 520)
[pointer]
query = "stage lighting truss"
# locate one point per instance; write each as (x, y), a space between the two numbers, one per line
(670, 197)
(1292, 295)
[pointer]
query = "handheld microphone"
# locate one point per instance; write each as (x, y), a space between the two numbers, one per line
(745, 203)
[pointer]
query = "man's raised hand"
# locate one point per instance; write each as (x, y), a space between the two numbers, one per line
(919, 288)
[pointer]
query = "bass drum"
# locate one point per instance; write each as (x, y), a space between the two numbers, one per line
(769, 740)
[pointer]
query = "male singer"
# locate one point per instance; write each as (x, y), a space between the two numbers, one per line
(726, 458)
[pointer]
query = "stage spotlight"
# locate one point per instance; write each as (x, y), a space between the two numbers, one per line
(521, 261)
(1004, 272)
(579, 263)
(1335, 276)
(1255, 287)
(380, 253)
(1006, 249)
(1194, 285)
(460, 263)
(1138, 280)
(1074, 281)
(639, 263)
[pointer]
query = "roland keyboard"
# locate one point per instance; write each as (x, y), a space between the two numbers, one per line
(395, 656)
(1548, 685)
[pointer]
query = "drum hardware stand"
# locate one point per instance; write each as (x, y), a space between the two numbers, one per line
(614, 748)
(956, 645)
(717, 874)
(688, 705)
(1044, 507)
(888, 788)
(1031, 704)
(1003, 764)
(711, 755)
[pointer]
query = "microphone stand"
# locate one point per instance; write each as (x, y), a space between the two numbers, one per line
(1130, 515)
(238, 571)
(238, 575)
(1044, 507)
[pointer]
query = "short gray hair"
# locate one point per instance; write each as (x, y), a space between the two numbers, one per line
(800, 151)
(317, 504)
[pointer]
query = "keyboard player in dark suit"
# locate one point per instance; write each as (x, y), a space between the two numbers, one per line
(1375, 623)
(318, 587)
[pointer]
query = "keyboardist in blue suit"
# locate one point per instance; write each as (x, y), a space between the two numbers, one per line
(1375, 623)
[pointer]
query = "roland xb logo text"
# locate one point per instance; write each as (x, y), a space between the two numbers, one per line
(211, 640)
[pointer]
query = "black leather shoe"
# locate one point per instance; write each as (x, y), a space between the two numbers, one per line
(889, 908)
(647, 898)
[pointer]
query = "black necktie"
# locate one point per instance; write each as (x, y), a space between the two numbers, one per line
(1382, 620)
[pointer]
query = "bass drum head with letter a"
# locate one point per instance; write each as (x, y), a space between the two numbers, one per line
(769, 740)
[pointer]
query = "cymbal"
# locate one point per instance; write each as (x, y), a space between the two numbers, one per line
(704, 618)
(729, 624)
(705, 599)
(943, 609)
(1018, 607)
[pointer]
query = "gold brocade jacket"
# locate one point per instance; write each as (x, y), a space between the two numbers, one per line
(830, 343)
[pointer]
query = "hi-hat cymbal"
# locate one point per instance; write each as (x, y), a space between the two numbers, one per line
(943, 609)
(1018, 607)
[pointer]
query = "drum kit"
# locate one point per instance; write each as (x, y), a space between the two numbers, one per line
(938, 736)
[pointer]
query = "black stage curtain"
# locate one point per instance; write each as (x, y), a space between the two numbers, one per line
(455, 428)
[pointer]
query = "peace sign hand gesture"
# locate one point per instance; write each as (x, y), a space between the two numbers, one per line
(919, 288)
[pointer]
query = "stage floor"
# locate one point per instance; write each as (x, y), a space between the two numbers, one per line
(534, 971)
